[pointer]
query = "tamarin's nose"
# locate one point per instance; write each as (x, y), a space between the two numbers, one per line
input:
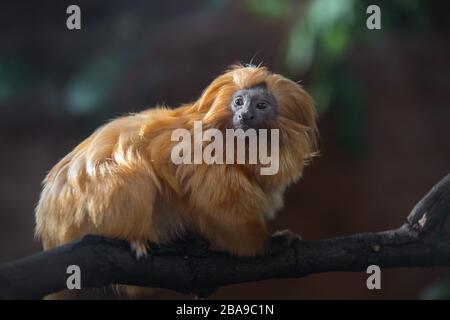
(246, 116)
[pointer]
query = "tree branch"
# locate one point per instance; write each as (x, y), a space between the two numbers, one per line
(187, 267)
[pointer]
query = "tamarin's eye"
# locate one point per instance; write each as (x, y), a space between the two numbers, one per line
(261, 105)
(239, 101)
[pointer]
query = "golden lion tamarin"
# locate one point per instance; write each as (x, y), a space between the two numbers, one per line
(121, 183)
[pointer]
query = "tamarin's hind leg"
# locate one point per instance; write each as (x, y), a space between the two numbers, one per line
(114, 207)
(119, 208)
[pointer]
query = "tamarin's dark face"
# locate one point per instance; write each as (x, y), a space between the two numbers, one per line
(253, 107)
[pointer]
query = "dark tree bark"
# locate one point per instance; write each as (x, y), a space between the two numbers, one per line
(188, 267)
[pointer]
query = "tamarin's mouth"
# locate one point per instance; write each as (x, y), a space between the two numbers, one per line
(241, 125)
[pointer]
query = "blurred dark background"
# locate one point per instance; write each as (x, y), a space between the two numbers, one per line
(383, 97)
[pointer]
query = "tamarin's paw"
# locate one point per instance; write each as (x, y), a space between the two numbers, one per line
(139, 248)
(285, 238)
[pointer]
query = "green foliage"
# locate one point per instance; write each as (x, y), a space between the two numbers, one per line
(275, 9)
(91, 88)
(317, 43)
(13, 74)
(350, 115)
(439, 290)
(216, 4)
(323, 21)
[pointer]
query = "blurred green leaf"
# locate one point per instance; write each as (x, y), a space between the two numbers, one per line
(325, 13)
(322, 93)
(92, 87)
(13, 75)
(6, 90)
(334, 41)
(325, 20)
(301, 49)
(217, 4)
(439, 290)
(275, 9)
(350, 115)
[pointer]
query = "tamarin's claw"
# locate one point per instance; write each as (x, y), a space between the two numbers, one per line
(139, 249)
(285, 237)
